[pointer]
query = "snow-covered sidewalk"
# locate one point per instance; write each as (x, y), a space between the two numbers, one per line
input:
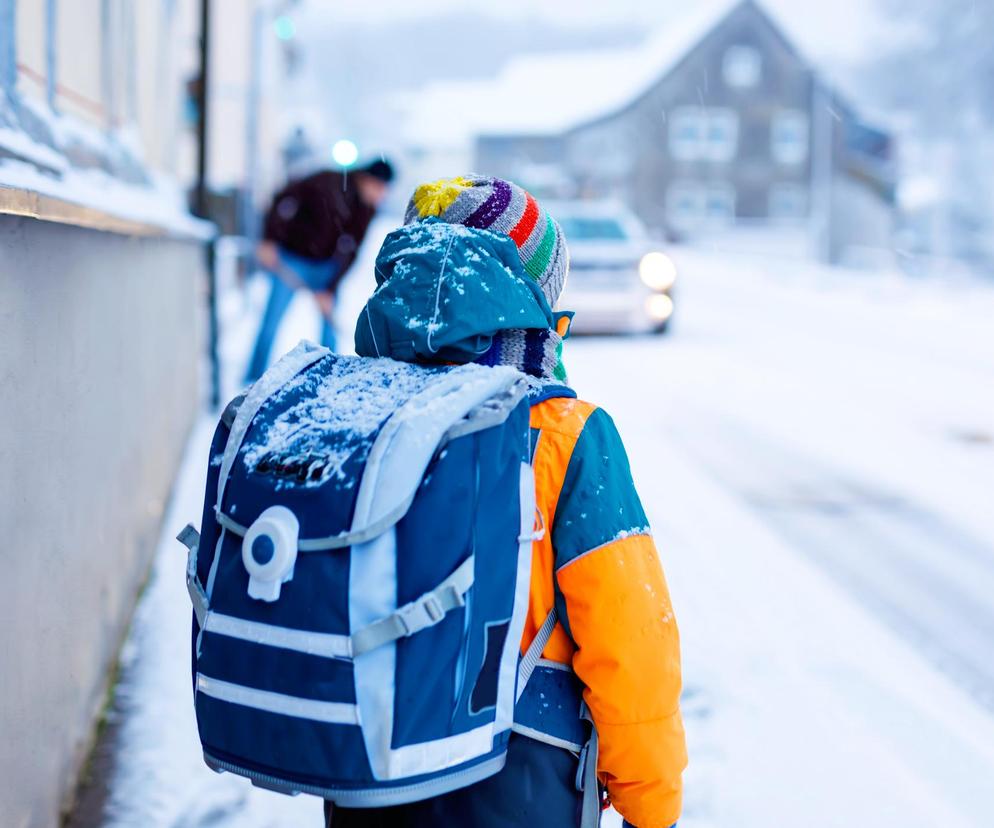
(159, 778)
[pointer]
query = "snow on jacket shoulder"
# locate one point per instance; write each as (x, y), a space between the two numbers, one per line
(600, 566)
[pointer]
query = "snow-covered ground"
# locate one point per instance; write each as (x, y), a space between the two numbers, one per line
(816, 452)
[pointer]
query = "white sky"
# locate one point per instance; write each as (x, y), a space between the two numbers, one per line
(838, 29)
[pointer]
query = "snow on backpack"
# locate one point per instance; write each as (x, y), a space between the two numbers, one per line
(361, 582)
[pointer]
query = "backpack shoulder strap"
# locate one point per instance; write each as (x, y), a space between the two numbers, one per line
(586, 773)
(530, 659)
(231, 410)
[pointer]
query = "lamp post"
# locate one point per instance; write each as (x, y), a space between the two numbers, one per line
(822, 161)
(263, 13)
(201, 199)
(200, 196)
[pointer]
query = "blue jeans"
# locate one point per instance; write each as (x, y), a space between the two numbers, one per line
(314, 274)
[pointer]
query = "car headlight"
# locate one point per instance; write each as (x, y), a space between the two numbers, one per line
(659, 306)
(657, 271)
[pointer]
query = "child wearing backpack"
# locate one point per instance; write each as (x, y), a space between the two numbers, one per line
(598, 598)
(424, 588)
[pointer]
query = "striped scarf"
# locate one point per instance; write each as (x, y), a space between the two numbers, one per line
(538, 353)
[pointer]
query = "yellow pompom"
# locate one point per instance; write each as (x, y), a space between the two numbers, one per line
(435, 197)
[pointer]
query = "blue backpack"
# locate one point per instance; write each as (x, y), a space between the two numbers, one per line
(361, 579)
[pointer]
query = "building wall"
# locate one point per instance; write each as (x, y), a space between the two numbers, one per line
(628, 154)
(698, 83)
(96, 57)
(99, 345)
(862, 225)
(124, 66)
(508, 155)
(803, 186)
(98, 363)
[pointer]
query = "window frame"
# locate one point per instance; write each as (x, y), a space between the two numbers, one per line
(795, 152)
(726, 191)
(801, 196)
(683, 148)
(726, 152)
(703, 145)
(700, 194)
(680, 190)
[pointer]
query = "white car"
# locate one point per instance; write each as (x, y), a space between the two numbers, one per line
(619, 281)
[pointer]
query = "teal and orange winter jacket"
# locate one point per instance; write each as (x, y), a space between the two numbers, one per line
(619, 634)
(597, 564)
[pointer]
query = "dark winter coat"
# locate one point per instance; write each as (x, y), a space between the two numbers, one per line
(320, 217)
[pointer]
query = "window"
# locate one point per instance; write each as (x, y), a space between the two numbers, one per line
(722, 138)
(788, 201)
(719, 203)
(742, 67)
(690, 204)
(84, 59)
(789, 137)
(684, 204)
(709, 134)
(686, 132)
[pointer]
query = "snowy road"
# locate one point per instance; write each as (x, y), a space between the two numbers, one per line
(802, 424)
(851, 396)
(816, 453)
(913, 381)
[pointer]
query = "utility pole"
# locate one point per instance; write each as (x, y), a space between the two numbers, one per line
(249, 220)
(264, 14)
(822, 161)
(200, 201)
(201, 205)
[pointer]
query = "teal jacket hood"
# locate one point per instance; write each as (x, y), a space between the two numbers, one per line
(443, 291)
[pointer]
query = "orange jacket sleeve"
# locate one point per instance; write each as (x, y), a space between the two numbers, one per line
(621, 621)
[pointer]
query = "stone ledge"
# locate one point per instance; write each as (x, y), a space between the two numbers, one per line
(22, 202)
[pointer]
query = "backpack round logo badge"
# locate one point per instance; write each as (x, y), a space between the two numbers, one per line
(269, 551)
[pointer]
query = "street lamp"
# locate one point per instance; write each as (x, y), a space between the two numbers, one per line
(284, 27)
(345, 153)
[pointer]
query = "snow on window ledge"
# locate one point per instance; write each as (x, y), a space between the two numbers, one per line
(98, 173)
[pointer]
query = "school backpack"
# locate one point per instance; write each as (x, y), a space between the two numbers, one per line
(361, 579)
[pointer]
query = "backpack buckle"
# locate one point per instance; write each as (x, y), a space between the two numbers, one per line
(433, 607)
(421, 614)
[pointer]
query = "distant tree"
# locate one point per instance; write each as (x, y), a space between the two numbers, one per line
(938, 73)
(941, 64)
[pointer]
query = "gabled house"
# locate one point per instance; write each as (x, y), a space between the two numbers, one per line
(718, 126)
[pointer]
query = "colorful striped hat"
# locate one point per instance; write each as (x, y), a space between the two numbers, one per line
(501, 207)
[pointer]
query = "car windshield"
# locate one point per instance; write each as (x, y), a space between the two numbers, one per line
(592, 228)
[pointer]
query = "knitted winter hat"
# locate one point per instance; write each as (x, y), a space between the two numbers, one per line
(500, 207)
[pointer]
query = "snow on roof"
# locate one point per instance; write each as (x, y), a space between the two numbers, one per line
(549, 93)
